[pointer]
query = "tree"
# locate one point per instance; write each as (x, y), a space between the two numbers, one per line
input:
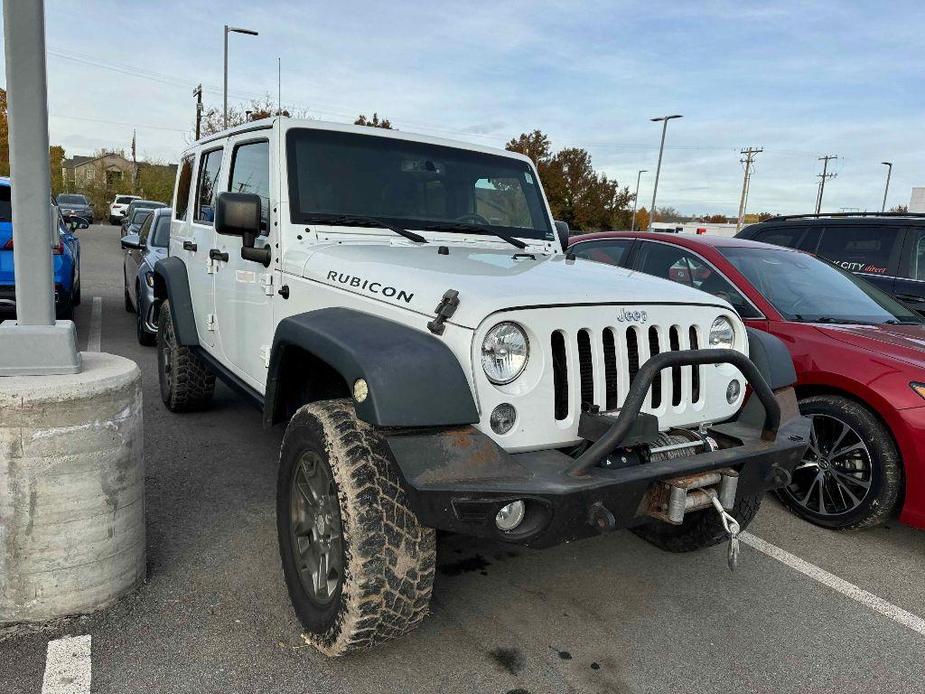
(4, 137)
(257, 109)
(715, 219)
(642, 219)
(55, 164)
(373, 122)
(587, 200)
(667, 214)
(900, 209)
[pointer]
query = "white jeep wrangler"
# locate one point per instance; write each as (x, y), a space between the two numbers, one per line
(404, 305)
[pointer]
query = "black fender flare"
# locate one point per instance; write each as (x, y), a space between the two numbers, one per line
(171, 282)
(772, 358)
(413, 379)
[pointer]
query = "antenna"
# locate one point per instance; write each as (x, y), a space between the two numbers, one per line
(279, 86)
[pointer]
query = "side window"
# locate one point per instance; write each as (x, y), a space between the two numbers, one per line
(678, 265)
(210, 165)
(250, 173)
(781, 236)
(145, 229)
(184, 181)
(917, 257)
(612, 251)
(859, 248)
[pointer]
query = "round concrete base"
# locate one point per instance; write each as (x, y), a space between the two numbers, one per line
(72, 533)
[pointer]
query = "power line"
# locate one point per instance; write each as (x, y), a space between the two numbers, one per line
(749, 153)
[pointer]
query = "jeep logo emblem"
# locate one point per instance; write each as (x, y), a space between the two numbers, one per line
(625, 316)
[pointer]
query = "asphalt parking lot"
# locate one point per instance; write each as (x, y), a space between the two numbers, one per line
(609, 614)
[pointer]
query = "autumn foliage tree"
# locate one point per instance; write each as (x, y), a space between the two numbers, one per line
(374, 122)
(577, 194)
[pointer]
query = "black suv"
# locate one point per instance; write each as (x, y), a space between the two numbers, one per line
(886, 249)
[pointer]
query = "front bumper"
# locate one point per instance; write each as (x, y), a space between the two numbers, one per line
(458, 479)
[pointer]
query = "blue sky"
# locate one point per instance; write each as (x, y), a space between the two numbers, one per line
(801, 79)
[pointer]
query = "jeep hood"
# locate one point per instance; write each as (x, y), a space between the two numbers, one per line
(487, 279)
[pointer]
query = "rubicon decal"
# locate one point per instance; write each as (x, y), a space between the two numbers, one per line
(370, 286)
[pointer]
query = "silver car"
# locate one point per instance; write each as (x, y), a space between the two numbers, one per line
(142, 251)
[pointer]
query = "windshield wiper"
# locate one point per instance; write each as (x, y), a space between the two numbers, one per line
(356, 220)
(474, 228)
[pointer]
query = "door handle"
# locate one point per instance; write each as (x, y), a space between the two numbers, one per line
(215, 254)
(189, 246)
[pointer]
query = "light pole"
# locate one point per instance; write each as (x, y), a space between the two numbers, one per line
(636, 198)
(228, 30)
(658, 169)
(889, 172)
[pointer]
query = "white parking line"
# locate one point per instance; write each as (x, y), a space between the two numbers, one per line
(877, 604)
(67, 666)
(96, 325)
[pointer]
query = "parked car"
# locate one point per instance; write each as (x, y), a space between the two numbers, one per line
(75, 205)
(118, 206)
(134, 220)
(886, 249)
(134, 206)
(859, 356)
(66, 258)
(142, 250)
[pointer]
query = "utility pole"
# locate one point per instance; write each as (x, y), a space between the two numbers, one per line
(636, 199)
(197, 92)
(749, 153)
(823, 177)
(658, 168)
(886, 190)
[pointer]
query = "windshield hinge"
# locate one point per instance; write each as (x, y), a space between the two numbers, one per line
(445, 310)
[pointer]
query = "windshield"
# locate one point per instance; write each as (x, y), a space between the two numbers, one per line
(146, 204)
(139, 216)
(804, 288)
(412, 184)
(161, 235)
(72, 200)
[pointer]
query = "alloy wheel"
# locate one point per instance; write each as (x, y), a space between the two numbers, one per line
(834, 476)
(315, 528)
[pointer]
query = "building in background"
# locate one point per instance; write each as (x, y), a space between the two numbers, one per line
(109, 169)
(917, 201)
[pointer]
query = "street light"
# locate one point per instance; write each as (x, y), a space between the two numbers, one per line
(228, 30)
(636, 198)
(889, 172)
(658, 168)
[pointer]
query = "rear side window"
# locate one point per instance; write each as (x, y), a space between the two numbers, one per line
(184, 179)
(612, 252)
(250, 173)
(6, 210)
(859, 248)
(781, 236)
(124, 199)
(210, 165)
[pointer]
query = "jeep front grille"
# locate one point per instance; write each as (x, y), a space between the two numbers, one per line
(603, 363)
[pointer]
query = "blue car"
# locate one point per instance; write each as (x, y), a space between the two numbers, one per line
(66, 259)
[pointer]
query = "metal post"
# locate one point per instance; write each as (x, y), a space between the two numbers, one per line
(24, 24)
(34, 344)
(658, 168)
(228, 30)
(636, 199)
(886, 190)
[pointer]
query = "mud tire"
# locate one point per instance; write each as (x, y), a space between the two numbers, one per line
(186, 382)
(388, 557)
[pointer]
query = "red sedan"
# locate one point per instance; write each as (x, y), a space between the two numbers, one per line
(859, 357)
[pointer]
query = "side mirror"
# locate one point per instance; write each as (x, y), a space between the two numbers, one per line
(563, 232)
(132, 241)
(239, 214)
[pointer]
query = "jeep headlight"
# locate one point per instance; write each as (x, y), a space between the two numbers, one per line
(722, 334)
(505, 350)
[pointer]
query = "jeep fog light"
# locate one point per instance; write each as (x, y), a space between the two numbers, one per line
(504, 352)
(502, 418)
(510, 516)
(722, 334)
(360, 390)
(733, 390)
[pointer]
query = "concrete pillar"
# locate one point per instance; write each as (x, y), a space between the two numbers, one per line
(72, 533)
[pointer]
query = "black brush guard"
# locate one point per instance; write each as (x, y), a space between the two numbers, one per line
(457, 479)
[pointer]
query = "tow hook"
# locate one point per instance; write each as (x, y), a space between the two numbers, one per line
(601, 518)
